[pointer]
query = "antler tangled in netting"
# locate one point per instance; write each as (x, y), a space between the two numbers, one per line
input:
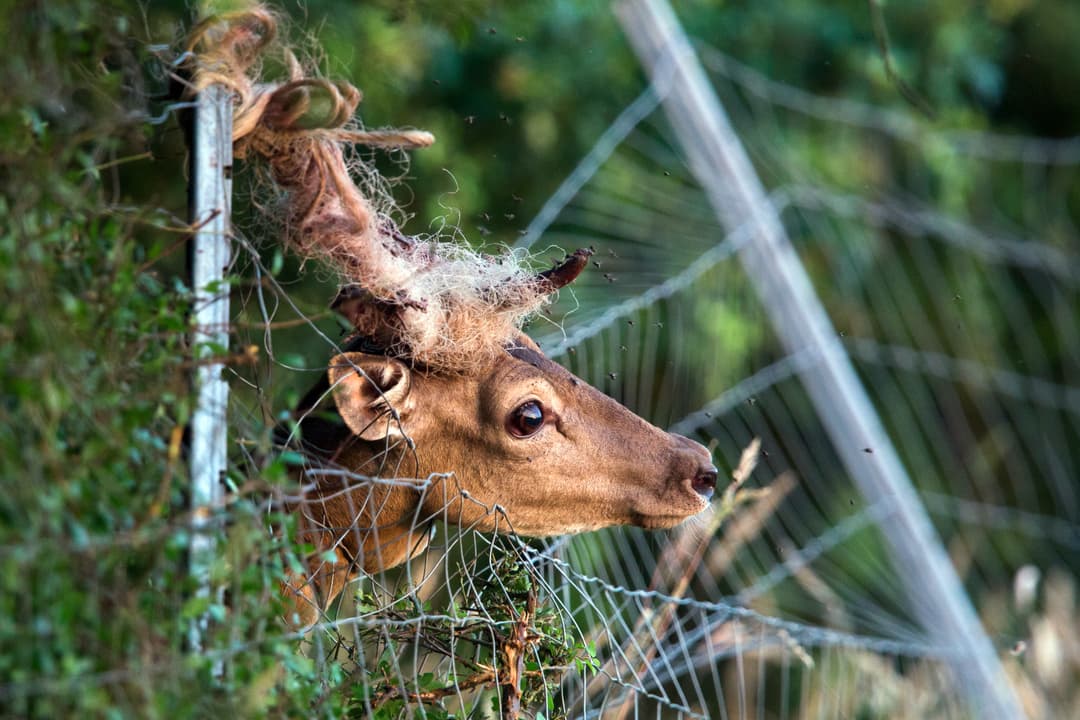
(440, 303)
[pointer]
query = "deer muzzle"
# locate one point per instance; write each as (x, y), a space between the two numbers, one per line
(695, 467)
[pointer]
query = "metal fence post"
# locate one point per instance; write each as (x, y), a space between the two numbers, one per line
(211, 169)
(721, 165)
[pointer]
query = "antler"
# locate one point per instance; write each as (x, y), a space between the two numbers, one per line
(438, 302)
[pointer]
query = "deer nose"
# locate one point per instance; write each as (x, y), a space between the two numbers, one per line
(704, 483)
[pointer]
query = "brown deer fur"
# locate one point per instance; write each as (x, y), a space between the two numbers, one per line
(593, 463)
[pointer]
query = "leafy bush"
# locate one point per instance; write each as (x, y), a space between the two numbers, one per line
(95, 395)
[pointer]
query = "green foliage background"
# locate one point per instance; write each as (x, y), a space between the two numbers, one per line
(94, 355)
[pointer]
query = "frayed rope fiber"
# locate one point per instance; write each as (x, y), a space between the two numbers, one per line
(440, 303)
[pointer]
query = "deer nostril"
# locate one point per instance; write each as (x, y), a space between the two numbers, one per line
(704, 482)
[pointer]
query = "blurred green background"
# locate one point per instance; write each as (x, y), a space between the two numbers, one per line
(94, 389)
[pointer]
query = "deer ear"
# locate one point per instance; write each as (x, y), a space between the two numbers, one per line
(365, 389)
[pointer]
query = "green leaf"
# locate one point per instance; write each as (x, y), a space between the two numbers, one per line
(196, 607)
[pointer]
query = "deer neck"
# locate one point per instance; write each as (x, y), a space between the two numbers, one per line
(375, 517)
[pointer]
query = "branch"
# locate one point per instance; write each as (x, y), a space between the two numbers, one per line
(438, 694)
(881, 33)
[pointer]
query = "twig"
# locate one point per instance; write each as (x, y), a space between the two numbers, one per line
(161, 497)
(186, 230)
(748, 524)
(513, 647)
(282, 324)
(438, 694)
(120, 161)
(734, 496)
(881, 33)
(248, 356)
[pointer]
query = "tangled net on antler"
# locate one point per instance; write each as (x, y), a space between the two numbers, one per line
(439, 303)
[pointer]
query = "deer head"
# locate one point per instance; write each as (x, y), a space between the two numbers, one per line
(519, 444)
(440, 396)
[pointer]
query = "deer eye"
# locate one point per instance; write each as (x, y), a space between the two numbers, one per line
(526, 419)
